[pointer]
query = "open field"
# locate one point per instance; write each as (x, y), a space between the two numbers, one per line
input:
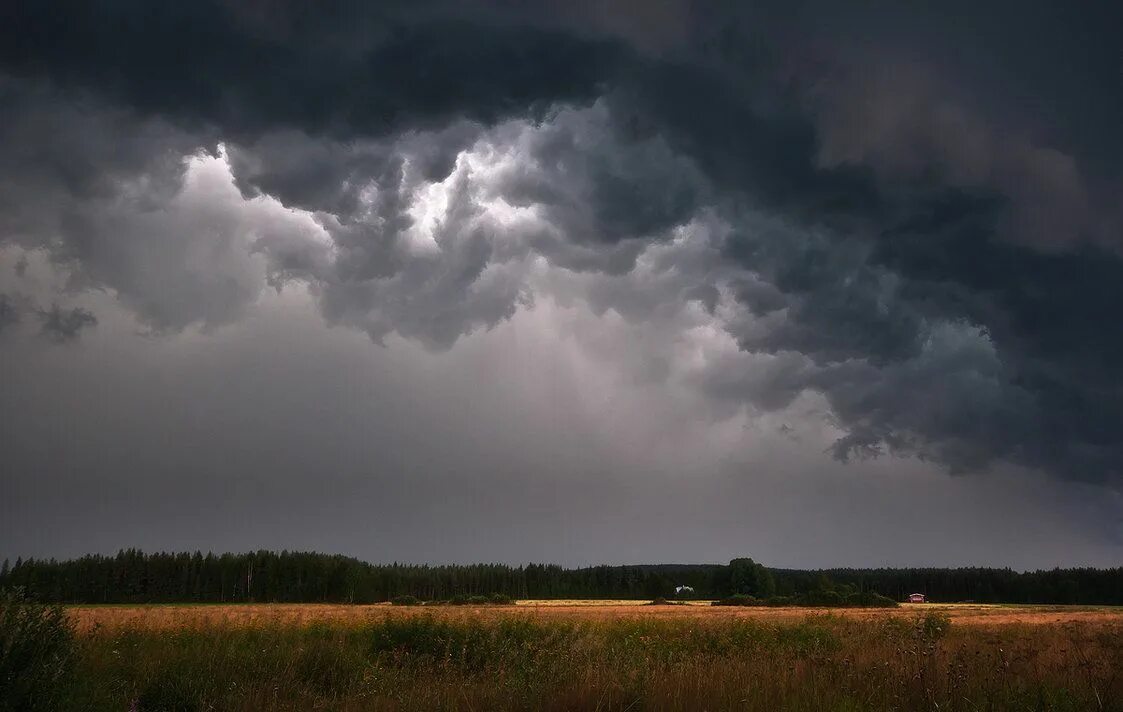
(174, 616)
(604, 655)
(597, 657)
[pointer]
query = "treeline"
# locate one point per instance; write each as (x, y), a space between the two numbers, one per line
(133, 576)
(1086, 586)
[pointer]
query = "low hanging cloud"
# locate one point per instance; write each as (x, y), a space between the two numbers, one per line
(945, 279)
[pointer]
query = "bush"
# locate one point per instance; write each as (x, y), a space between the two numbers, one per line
(831, 599)
(660, 602)
(495, 599)
(738, 599)
(405, 600)
(37, 654)
(933, 625)
(871, 599)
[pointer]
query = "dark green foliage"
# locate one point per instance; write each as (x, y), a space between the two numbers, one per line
(37, 654)
(933, 625)
(406, 600)
(869, 599)
(738, 599)
(748, 578)
(495, 599)
(134, 577)
(826, 599)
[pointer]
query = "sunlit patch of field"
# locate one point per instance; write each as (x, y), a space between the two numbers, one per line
(601, 603)
(166, 617)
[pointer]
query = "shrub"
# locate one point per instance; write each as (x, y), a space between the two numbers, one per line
(478, 600)
(933, 625)
(501, 599)
(830, 599)
(826, 599)
(780, 601)
(871, 599)
(738, 599)
(37, 654)
(406, 600)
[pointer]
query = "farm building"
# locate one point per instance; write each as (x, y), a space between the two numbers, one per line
(916, 598)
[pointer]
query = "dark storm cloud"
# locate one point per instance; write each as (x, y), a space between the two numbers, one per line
(919, 242)
(9, 312)
(64, 325)
(917, 211)
(335, 67)
(606, 191)
(598, 197)
(57, 324)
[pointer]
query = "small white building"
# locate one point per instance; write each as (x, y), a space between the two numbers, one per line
(916, 598)
(680, 590)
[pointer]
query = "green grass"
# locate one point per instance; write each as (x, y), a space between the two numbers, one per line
(37, 654)
(433, 662)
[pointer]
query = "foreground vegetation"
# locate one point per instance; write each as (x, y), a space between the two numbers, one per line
(451, 658)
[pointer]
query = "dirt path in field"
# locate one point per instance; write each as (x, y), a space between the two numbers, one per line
(186, 616)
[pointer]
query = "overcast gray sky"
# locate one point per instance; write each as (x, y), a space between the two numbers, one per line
(568, 282)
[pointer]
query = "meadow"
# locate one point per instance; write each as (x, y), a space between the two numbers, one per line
(603, 655)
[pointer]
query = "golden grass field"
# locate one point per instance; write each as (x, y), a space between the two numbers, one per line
(596, 655)
(173, 616)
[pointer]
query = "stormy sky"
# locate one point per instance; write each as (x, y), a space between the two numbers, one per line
(583, 282)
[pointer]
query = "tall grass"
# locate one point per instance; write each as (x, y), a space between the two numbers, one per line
(446, 662)
(36, 654)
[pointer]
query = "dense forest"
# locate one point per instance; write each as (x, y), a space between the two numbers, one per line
(133, 576)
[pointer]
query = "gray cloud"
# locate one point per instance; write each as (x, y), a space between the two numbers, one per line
(9, 312)
(904, 124)
(64, 325)
(57, 324)
(338, 69)
(773, 217)
(535, 437)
